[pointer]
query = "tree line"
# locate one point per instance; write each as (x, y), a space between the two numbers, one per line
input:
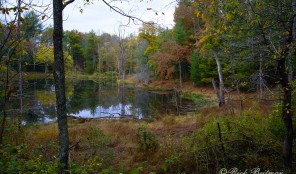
(84, 52)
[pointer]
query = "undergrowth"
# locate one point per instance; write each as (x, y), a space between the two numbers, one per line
(244, 142)
(204, 144)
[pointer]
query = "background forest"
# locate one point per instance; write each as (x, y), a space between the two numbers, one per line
(245, 42)
(241, 46)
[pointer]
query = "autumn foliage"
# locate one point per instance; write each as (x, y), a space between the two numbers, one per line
(167, 59)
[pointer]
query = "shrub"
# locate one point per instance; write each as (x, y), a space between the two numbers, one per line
(98, 144)
(244, 142)
(146, 140)
(13, 159)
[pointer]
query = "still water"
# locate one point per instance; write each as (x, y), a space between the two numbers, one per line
(90, 99)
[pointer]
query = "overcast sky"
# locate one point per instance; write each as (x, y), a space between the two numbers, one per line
(100, 18)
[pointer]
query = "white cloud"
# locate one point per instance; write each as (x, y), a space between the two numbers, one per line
(99, 17)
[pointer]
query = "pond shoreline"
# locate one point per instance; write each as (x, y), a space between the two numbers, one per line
(155, 85)
(162, 145)
(96, 99)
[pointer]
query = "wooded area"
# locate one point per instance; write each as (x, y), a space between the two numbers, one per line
(233, 46)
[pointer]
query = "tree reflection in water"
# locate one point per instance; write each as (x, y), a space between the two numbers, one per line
(89, 99)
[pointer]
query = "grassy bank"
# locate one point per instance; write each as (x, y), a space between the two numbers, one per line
(34, 76)
(106, 76)
(204, 143)
(72, 75)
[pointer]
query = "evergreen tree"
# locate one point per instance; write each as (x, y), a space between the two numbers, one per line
(195, 71)
(32, 25)
(91, 52)
(73, 43)
(31, 30)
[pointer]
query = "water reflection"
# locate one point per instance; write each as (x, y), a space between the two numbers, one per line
(89, 99)
(112, 111)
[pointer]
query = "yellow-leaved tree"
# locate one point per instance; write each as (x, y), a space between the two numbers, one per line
(45, 55)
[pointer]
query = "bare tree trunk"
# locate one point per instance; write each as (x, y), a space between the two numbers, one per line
(99, 54)
(221, 82)
(216, 90)
(287, 101)
(6, 97)
(34, 63)
(294, 18)
(94, 64)
(3, 121)
(99, 59)
(180, 71)
(45, 68)
(240, 100)
(122, 52)
(260, 81)
(59, 80)
(20, 85)
(175, 97)
(291, 68)
(286, 115)
(118, 65)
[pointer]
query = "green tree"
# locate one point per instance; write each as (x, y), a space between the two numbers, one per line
(109, 52)
(260, 31)
(143, 71)
(132, 45)
(278, 30)
(91, 52)
(32, 25)
(74, 45)
(195, 71)
(181, 35)
(211, 37)
(47, 36)
(45, 55)
(31, 29)
(68, 61)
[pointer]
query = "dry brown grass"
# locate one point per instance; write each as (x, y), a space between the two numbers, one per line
(120, 136)
(42, 139)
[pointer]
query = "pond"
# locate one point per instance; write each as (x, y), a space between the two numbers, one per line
(90, 99)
